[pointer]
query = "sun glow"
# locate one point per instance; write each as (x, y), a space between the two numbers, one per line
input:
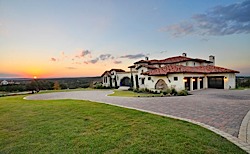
(35, 77)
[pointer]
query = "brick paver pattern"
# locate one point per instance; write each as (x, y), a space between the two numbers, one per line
(222, 109)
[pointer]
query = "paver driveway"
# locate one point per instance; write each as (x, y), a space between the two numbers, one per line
(222, 109)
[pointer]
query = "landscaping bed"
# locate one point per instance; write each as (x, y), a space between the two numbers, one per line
(149, 93)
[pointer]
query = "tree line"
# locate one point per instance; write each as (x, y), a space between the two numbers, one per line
(49, 84)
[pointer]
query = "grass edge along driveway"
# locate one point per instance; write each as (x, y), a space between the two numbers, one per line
(78, 126)
(127, 93)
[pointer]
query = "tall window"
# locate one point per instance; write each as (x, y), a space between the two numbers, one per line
(176, 78)
(142, 80)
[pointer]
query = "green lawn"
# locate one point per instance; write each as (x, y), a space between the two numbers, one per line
(241, 88)
(122, 93)
(74, 126)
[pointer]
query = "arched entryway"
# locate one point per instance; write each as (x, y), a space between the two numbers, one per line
(125, 82)
(161, 85)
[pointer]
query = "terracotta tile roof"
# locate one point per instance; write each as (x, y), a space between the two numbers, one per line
(188, 69)
(147, 66)
(174, 59)
(106, 72)
(117, 70)
(141, 61)
(132, 66)
(171, 60)
(202, 60)
(109, 72)
(146, 61)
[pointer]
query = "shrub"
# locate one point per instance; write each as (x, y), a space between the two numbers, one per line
(161, 94)
(173, 91)
(136, 90)
(147, 90)
(164, 92)
(167, 91)
(183, 93)
(98, 87)
(156, 92)
(130, 89)
(141, 90)
(101, 87)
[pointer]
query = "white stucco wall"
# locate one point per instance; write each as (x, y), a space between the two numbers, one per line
(178, 85)
(121, 75)
(107, 83)
(141, 77)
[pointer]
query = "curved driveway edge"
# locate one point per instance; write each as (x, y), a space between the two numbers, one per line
(220, 111)
(244, 133)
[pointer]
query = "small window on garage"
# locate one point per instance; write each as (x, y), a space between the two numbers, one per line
(149, 78)
(175, 78)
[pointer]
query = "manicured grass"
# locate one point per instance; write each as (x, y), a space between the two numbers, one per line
(122, 93)
(74, 126)
(241, 88)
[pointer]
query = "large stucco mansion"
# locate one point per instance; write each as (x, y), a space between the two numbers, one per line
(179, 72)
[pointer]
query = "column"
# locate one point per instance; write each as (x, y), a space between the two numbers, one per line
(191, 84)
(205, 82)
(198, 83)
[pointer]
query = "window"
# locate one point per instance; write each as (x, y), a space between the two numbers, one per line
(149, 78)
(194, 64)
(142, 80)
(141, 71)
(175, 78)
(186, 63)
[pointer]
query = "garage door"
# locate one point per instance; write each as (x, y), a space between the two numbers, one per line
(216, 82)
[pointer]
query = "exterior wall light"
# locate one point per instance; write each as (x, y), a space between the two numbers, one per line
(193, 80)
(184, 80)
(225, 78)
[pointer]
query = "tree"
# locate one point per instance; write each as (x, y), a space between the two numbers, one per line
(33, 86)
(56, 86)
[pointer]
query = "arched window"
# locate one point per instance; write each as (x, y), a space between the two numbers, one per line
(161, 85)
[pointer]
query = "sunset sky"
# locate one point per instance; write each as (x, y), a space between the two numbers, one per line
(60, 38)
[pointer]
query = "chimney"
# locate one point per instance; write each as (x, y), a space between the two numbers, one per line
(146, 58)
(212, 59)
(184, 54)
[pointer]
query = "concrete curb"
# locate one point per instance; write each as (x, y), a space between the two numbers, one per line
(244, 132)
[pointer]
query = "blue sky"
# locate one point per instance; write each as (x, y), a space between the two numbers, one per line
(85, 38)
